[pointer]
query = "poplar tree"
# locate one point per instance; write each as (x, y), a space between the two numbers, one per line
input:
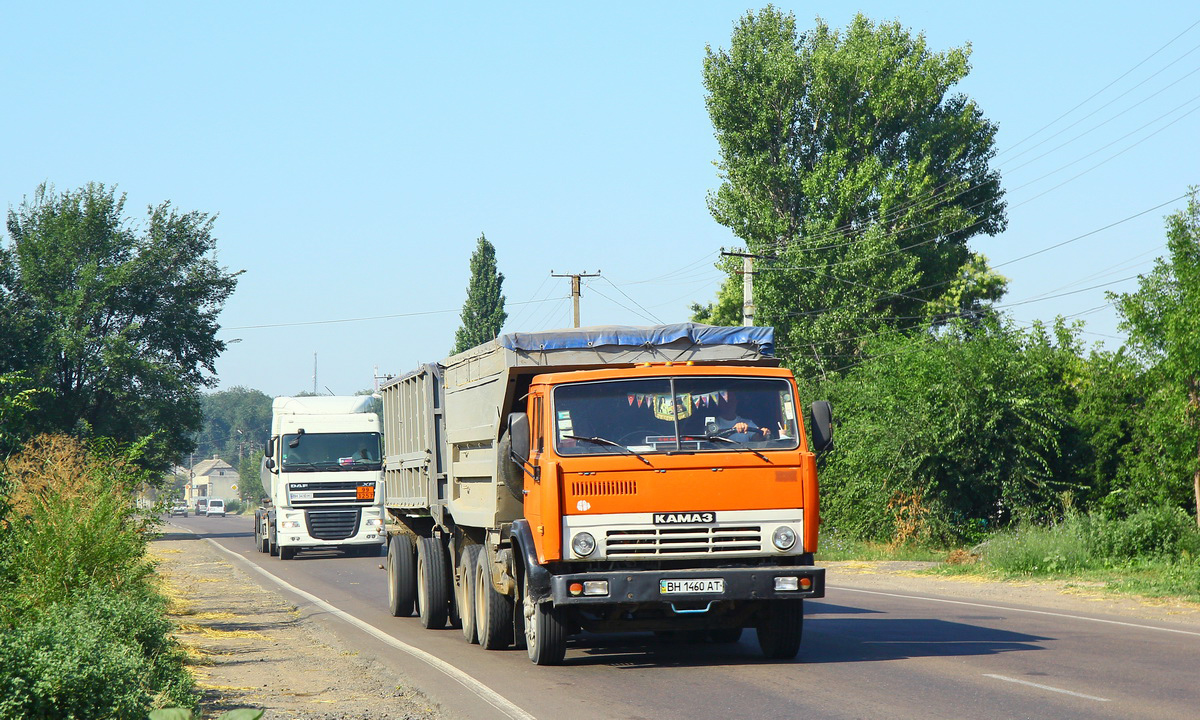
(855, 175)
(483, 312)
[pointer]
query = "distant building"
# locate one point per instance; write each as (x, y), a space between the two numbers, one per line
(213, 478)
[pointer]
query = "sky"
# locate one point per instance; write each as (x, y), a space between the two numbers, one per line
(355, 152)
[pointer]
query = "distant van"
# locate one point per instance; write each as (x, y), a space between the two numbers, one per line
(216, 506)
(201, 506)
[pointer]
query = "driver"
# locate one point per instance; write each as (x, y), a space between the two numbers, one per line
(744, 429)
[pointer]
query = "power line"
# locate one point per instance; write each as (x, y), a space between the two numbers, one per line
(635, 302)
(1093, 95)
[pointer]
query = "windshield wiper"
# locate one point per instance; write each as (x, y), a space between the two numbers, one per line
(610, 443)
(711, 438)
(299, 466)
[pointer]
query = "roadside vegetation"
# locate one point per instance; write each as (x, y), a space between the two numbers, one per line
(1014, 447)
(83, 631)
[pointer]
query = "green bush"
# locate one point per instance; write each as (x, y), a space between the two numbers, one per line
(83, 631)
(102, 655)
(73, 526)
(233, 506)
(1094, 541)
(1156, 532)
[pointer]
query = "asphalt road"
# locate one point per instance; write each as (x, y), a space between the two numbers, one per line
(866, 654)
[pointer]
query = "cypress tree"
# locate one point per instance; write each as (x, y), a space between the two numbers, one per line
(483, 312)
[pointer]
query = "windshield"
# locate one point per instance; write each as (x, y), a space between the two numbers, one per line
(674, 414)
(330, 451)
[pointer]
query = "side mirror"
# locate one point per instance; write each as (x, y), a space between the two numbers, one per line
(269, 448)
(821, 414)
(269, 463)
(518, 432)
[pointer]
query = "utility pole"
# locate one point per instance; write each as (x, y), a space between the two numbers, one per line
(575, 289)
(314, 373)
(747, 284)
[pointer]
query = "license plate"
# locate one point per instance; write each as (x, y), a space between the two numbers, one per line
(302, 495)
(689, 587)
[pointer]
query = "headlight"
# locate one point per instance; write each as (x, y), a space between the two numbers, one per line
(583, 544)
(783, 538)
(290, 524)
(373, 522)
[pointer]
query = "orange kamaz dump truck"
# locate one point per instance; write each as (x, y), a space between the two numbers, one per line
(605, 479)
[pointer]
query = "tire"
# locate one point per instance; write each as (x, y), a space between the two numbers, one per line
(510, 473)
(272, 545)
(287, 553)
(545, 631)
(464, 592)
(433, 583)
(493, 611)
(780, 629)
(401, 576)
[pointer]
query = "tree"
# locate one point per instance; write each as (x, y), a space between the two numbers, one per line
(236, 422)
(961, 430)
(118, 321)
(483, 312)
(1163, 321)
(848, 166)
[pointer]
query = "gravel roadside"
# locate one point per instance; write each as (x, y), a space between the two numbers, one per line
(250, 648)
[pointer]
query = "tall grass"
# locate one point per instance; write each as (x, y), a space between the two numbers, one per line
(1094, 542)
(1154, 552)
(82, 629)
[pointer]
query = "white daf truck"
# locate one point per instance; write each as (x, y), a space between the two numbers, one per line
(322, 471)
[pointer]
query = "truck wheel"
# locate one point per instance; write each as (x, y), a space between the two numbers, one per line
(493, 611)
(272, 547)
(287, 553)
(780, 628)
(432, 583)
(464, 592)
(545, 631)
(510, 472)
(402, 576)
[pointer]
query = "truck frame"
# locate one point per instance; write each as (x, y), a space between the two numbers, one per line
(544, 484)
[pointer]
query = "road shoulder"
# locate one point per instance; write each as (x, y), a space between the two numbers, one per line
(249, 647)
(1063, 596)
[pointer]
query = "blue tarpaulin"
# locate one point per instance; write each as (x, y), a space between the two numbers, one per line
(762, 338)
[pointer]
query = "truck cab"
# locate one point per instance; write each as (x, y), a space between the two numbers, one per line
(322, 473)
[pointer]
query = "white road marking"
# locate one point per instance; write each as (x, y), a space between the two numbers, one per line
(1020, 610)
(484, 692)
(1047, 687)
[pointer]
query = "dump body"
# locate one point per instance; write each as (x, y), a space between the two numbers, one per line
(322, 473)
(597, 479)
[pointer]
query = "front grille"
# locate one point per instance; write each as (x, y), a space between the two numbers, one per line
(680, 540)
(332, 524)
(329, 493)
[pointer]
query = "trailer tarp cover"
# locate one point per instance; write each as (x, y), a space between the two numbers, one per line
(762, 338)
